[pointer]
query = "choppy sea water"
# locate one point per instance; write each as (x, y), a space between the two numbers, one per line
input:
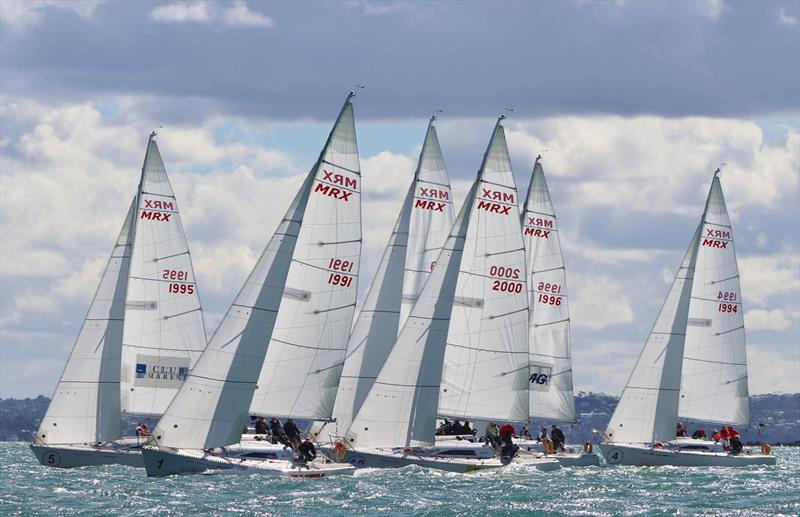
(26, 488)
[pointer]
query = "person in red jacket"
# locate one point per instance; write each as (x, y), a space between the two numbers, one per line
(715, 436)
(724, 435)
(507, 431)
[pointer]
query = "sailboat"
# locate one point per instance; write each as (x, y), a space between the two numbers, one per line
(550, 376)
(410, 256)
(278, 350)
(480, 266)
(141, 336)
(693, 365)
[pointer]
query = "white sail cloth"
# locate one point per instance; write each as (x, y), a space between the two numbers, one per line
(693, 365)
(164, 333)
(417, 238)
(402, 405)
(647, 411)
(714, 380)
(85, 407)
(550, 376)
(304, 360)
(214, 402)
(486, 363)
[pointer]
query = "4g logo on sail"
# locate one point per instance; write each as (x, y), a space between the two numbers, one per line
(540, 375)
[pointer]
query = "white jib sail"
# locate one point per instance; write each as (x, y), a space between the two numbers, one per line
(647, 411)
(85, 405)
(164, 333)
(714, 381)
(486, 363)
(406, 263)
(550, 380)
(431, 220)
(400, 409)
(213, 405)
(303, 365)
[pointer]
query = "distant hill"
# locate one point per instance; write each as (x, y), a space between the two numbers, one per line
(779, 414)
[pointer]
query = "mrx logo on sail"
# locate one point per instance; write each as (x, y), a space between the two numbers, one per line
(716, 238)
(337, 186)
(538, 227)
(156, 210)
(500, 202)
(428, 199)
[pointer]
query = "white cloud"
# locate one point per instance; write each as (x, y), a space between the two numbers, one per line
(18, 15)
(598, 301)
(234, 14)
(785, 18)
(770, 372)
(761, 319)
(714, 8)
(657, 165)
(765, 276)
(239, 15)
(182, 12)
(382, 8)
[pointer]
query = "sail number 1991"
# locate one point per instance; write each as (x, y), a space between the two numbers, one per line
(341, 279)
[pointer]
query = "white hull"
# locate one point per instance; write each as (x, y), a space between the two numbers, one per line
(81, 455)
(164, 462)
(398, 458)
(642, 455)
(570, 458)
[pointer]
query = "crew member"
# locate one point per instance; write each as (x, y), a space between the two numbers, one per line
(276, 430)
(143, 431)
(292, 433)
(491, 435)
(681, 431)
(524, 433)
(507, 431)
(466, 429)
(699, 434)
(542, 434)
(557, 435)
(715, 436)
(307, 451)
(261, 425)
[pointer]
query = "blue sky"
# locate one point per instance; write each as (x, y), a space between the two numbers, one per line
(636, 103)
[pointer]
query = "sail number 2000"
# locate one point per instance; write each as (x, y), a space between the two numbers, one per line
(507, 286)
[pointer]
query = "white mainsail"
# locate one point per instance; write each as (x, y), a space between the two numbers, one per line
(213, 404)
(304, 360)
(417, 238)
(431, 220)
(164, 333)
(85, 407)
(714, 380)
(647, 411)
(486, 362)
(550, 381)
(402, 405)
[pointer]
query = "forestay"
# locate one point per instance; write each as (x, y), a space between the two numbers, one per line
(648, 408)
(550, 376)
(714, 382)
(406, 263)
(304, 360)
(213, 405)
(164, 333)
(486, 362)
(85, 407)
